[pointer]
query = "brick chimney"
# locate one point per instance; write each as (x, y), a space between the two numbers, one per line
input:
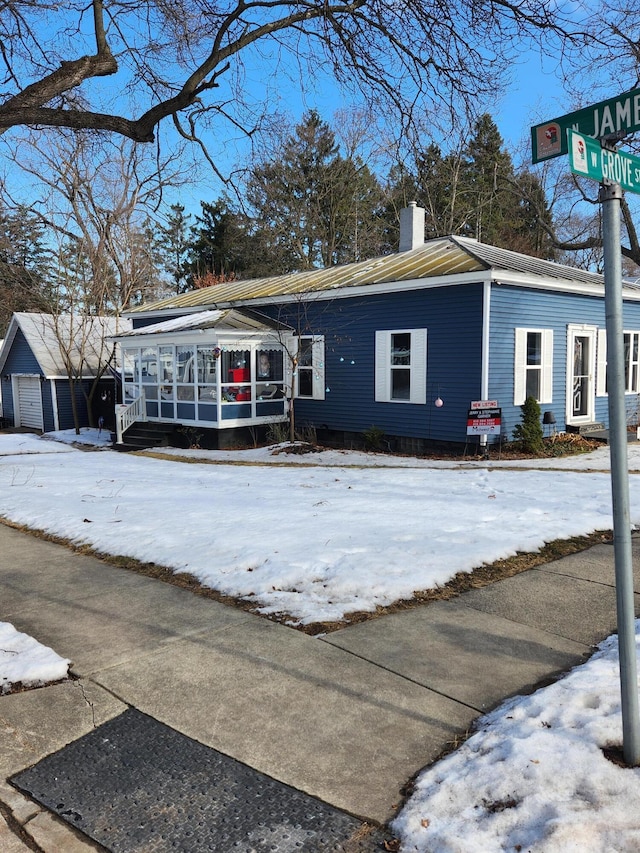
(411, 227)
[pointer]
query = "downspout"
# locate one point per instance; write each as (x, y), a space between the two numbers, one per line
(486, 330)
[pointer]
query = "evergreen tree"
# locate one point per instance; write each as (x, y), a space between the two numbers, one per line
(25, 265)
(227, 243)
(317, 205)
(172, 244)
(474, 191)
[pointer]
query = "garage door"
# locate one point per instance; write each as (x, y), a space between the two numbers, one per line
(29, 398)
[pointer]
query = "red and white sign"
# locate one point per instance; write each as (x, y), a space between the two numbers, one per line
(485, 420)
(484, 404)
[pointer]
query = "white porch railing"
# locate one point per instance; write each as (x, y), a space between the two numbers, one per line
(127, 414)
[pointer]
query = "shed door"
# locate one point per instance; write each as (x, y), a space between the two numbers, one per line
(29, 400)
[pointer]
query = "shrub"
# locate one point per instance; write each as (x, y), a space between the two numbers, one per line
(529, 432)
(373, 438)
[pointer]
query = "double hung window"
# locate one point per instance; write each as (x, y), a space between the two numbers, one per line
(401, 366)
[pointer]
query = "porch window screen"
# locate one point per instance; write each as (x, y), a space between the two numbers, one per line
(401, 366)
(185, 372)
(533, 368)
(149, 372)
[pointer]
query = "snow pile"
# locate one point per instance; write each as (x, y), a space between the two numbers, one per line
(24, 661)
(534, 777)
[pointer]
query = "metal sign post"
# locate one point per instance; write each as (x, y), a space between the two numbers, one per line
(584, 136)
(610, 196)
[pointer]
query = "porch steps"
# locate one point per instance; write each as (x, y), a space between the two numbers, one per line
(587, 430)
(144, 435)
(598, 432)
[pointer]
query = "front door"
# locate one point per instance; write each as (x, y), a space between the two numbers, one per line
(581, 352)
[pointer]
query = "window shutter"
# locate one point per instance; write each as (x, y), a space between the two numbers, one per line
(520, 367)
(601, 364)
(317, 356)
(418, 393)
(290, 346)
(383, 367)
(546, 389)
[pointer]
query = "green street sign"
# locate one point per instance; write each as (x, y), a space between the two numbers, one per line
(588, 158)
(617, 115)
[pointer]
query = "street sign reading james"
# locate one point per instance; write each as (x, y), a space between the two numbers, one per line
(588, 158)
(617, 115)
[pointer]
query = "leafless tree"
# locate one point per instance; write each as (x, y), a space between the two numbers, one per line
(95, 197)
(193, 60)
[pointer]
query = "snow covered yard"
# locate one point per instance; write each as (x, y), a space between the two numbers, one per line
(328, 533)
(316, 538)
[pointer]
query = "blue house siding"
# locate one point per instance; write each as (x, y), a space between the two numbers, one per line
(21, 360)
(453, 319)
(517, 307)
(65, 411)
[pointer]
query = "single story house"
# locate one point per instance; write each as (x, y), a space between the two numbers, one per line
(43, 356)
(403, 343)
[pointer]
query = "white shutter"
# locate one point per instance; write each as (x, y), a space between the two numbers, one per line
(601, 364)
(520, 367)
(289, 345)
(418, 393)
(317, 360)
(546, 384)
(383, 367)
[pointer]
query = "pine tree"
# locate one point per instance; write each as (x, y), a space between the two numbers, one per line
(172, 243)
(317, 205)
(529, 432)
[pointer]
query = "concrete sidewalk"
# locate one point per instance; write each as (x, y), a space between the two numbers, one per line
(347, 718)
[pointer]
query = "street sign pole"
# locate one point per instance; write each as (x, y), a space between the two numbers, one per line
(610, 197)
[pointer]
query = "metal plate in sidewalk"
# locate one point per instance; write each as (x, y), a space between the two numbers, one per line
(134, 785)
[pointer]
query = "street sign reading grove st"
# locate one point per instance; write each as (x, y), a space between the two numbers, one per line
(617, 115)
(588, 158)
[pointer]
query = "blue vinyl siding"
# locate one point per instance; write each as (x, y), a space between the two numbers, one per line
(453, 319)
(513, 307)
(21, 360)
(65, 410)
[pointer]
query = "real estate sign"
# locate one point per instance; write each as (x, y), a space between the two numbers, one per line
(484, 418)
(619, 115)
(588, 158)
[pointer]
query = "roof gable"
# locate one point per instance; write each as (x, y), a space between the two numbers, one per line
(48, 335)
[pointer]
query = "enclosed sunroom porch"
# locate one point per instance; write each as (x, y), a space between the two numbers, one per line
(216, 370)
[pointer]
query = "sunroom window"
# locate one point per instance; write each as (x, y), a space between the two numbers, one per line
(236, 376)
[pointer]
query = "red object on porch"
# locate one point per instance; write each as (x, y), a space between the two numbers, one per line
(240, 374)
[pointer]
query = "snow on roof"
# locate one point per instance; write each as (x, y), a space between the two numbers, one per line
(50, 337)
(223, 320)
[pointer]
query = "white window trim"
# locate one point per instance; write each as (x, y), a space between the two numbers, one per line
(418, 366)
(520, 365)
(630, 389)
(601, 363)
(317, 368)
